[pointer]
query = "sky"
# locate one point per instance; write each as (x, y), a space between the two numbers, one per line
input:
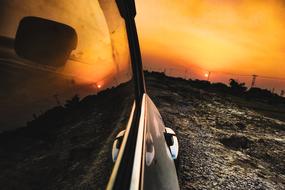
(223, 36)
(186, 37)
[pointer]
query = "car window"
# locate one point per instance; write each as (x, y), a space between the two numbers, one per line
(66, 90)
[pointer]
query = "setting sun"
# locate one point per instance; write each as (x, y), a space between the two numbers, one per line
(242, 37)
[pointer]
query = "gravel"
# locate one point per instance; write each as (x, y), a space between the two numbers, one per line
(223, 145)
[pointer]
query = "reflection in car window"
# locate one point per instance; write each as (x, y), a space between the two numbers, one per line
(61, 118)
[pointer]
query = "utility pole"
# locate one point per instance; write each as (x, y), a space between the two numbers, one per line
(253, 80)
(209, 74)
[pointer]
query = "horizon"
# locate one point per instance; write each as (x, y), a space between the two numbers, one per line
(236, 37)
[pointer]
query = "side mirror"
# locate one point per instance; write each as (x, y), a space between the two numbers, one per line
(172, 142)
(117, 144)
(44, 41)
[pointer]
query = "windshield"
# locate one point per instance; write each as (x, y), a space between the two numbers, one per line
(66, 90)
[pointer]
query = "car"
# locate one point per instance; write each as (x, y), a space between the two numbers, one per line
(50, 53)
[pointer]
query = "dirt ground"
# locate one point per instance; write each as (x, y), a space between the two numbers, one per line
(223, 145)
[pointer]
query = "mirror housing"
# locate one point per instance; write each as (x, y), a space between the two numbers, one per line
(44, 41)
(117, 145)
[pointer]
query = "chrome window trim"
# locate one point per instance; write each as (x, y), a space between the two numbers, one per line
(121, 151)
(137, 165)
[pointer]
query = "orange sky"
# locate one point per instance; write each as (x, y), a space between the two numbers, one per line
(236, 36)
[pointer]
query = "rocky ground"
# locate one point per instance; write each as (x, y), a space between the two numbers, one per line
(223, 144)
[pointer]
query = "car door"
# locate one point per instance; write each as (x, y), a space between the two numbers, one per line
(144, 159)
